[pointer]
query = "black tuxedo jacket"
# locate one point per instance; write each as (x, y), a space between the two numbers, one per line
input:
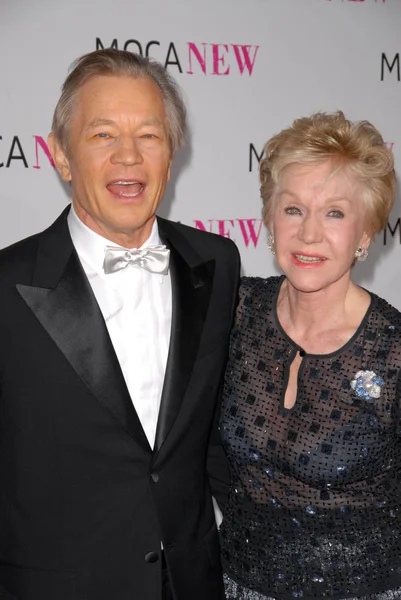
(84, 501)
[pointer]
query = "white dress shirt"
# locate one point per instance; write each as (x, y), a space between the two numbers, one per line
(136, 306)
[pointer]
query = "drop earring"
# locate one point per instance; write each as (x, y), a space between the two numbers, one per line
(270, 243)
(361, 254)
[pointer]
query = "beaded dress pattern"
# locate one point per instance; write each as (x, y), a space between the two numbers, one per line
(314, 508)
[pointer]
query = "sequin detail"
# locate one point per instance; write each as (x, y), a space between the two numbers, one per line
(234, 591)
(314, 511)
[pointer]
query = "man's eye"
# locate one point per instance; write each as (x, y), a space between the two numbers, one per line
(102, 135)
(337, 214)
(148, 136)
(292, 210)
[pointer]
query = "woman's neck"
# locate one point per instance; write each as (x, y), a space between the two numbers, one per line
(334, 313)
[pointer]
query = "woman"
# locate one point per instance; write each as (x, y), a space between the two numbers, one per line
(311, 408)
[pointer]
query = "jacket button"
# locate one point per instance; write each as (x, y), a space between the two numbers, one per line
(151, 557)
(155, 477)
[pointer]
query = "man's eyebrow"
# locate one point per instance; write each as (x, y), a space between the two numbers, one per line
(97, 122)
(151, 121)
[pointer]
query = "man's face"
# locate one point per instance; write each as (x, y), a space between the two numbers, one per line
(118, 159)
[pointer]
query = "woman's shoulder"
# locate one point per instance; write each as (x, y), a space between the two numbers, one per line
(385, 314)
(384, 328)
(256, 300)
(258, 288)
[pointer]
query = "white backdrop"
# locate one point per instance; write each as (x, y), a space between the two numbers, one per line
(247, 68)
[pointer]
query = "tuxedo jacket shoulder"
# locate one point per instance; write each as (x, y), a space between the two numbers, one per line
(201, 246)
(207, 244)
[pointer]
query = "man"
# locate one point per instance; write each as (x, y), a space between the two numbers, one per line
(113, 335)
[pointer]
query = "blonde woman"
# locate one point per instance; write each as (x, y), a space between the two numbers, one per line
(311, 411)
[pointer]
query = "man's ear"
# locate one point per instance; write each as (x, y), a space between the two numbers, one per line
(60, 158)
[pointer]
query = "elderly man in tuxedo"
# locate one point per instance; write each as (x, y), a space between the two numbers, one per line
(113, 333)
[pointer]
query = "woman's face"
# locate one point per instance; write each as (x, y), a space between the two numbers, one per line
(318, 223)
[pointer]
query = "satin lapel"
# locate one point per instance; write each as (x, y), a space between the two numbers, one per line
(191, 290)
(69, 312)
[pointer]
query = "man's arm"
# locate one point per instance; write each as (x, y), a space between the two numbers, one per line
(217, 462)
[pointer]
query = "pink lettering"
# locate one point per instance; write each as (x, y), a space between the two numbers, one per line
(249, 232)
(219, 59)
(39, 141)
(193, 49)
(201, 226)
(244, 59)
(222, 227)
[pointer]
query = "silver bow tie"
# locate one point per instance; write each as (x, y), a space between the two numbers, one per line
(154, 259)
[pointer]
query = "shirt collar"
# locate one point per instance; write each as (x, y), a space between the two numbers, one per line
(91, 246)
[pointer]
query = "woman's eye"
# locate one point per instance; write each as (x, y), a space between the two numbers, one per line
(292, 210)
(337, 214)
(102, 135)
(148, 136)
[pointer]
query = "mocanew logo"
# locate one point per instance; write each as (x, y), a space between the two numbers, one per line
(15, 152)
(255, 156)
(193, 58)
(390, 65)
(247, 230)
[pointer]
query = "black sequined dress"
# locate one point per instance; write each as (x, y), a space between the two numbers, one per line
(314, 509)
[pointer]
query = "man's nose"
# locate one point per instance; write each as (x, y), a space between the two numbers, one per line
(127, 152)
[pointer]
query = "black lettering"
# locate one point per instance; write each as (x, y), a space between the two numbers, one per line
(137, 44)
(20, 156)
(252, 152)
(396, 61)
(172, 50)
(99, 44)
(392, 231)
(148, 45)
(1, 164)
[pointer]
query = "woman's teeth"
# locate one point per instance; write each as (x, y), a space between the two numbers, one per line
(308, 259)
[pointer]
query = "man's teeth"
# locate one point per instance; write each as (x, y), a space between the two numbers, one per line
(127, 183)
(133, 188)
(308, 259)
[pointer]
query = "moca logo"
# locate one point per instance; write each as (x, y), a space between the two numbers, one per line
(16, 155)
(193, 58)
(386, 66)
(255, 156)
(392, 229)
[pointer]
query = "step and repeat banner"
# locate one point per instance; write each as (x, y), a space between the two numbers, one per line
(248, 68)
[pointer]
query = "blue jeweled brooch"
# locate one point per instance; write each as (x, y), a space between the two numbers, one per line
(367, 385)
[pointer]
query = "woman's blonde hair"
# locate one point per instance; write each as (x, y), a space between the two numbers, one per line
(357, 146)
